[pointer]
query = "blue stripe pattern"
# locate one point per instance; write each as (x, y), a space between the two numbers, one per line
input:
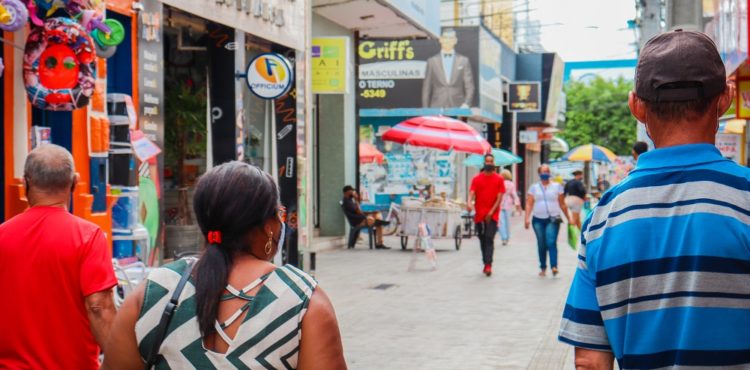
(649, 319)
(671, 264)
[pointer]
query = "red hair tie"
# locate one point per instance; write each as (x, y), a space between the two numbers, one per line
(214, 237)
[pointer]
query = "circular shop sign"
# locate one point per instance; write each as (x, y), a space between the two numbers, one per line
(269, 76)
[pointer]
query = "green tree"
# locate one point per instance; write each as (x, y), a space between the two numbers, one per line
(598, 113)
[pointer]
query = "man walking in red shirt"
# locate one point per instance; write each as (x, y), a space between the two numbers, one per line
(56, 274)
(487, 190)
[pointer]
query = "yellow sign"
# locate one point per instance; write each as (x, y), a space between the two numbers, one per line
(330, 57)
(743, 99)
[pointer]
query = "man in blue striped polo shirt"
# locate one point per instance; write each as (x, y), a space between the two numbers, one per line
(663, 278)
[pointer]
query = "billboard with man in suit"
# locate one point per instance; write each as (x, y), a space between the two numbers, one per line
(449, 79)
(408, 73)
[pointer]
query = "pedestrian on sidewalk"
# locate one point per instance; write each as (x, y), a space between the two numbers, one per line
(639, 148)
(664, 265)
(237, 310)
(56, 274)
(485, 195)
(510, 202)
(545, 203)
(575, 196)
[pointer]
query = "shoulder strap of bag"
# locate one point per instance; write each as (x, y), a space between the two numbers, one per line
(166, 316)
(544, 196)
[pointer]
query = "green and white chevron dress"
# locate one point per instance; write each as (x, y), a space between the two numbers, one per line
(268, 337)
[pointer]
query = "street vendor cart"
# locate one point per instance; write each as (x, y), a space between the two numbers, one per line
(445, 222)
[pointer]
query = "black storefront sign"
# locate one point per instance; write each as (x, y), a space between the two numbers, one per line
(221, 81)
(524, 97)
(286, 152)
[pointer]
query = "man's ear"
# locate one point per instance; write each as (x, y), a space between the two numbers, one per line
(726, 99)
(76, 178)
(637, 107)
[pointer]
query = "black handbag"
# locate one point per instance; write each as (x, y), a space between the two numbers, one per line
(166, 316)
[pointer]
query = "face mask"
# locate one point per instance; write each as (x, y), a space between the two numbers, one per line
(489, 167)
(544, 176)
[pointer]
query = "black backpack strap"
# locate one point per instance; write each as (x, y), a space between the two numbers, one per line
(166, 316)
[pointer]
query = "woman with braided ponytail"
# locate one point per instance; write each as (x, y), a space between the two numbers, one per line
(236, 310)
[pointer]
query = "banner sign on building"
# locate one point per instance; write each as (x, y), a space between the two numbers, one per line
(524, 97)
(330, 65)
(406, 73)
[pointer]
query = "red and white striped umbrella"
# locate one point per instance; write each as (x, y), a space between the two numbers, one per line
(438, 132)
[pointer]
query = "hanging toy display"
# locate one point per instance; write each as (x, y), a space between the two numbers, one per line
(13, 15)
(40, 10)
(106, 33)
(58, 65)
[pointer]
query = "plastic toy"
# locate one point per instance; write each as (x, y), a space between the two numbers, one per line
(13, 15)
(58, 65)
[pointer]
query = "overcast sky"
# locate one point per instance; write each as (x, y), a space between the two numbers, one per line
(589, 30)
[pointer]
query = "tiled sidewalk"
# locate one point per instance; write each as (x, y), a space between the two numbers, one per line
(452, 318)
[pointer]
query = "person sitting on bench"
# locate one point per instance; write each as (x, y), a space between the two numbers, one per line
(357, 219)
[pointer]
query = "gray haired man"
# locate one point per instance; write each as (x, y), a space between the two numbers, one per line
(56, 274)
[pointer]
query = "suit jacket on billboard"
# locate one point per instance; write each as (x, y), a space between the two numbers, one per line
(439, 93)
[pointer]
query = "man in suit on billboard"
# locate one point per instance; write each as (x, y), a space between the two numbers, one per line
(448, 81)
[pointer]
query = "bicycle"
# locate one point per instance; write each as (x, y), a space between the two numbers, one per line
(393, 217)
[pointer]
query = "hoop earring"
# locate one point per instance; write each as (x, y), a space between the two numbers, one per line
(268, 246)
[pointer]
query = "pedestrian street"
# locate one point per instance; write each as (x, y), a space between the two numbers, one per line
(455, 317)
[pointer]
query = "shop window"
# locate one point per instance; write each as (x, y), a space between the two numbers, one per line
(185, 127)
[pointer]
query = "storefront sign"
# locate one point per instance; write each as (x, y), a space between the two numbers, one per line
(279, 21)
(743, 99)
(410, 73)
(286, 154)
(330, 64)
(269, 76)
(730, 146)
(524, 97)
(528, 137)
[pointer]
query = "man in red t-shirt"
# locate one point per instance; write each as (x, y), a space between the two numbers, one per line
(487, 189)
(56, 274)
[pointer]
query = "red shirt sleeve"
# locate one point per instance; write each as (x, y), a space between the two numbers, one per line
(473, 185)
(97, 273)
(501, 187)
